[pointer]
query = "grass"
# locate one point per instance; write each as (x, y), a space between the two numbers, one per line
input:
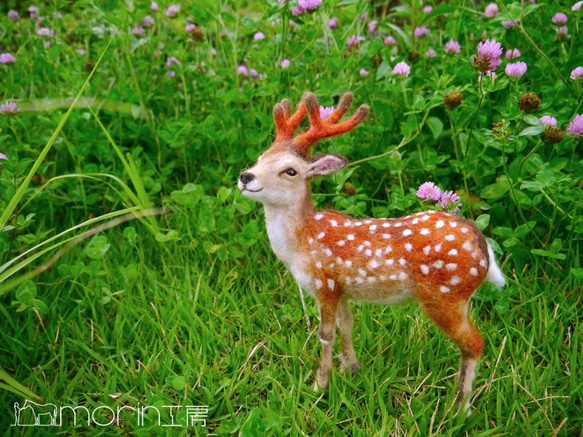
(169, 325)
(191, 308)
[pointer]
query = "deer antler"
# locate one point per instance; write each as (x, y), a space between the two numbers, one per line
(319, 128)
(285, 124)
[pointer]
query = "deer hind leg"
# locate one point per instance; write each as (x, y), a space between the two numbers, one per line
(452, 319)
(345, 321)
(328, 306)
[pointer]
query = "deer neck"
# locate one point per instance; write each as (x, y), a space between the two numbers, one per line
(286, 229)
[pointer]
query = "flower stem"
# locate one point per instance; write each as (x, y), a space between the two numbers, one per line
(456, 148)
(522, 30)
(480, 101)
(513, 195)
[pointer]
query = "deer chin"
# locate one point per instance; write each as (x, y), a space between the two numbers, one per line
(256, 194)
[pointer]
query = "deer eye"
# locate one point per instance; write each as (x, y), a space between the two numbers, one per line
(291, 172)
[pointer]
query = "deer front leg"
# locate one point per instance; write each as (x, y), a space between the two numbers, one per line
(328, 304)
(345, 322)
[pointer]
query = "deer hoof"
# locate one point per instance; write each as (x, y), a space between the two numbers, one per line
(351, 367)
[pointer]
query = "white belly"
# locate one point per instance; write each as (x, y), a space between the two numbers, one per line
(382, 293)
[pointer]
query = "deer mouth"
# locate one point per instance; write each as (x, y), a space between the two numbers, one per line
(244, 188)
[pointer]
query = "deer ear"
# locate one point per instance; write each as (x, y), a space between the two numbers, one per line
(325, 164)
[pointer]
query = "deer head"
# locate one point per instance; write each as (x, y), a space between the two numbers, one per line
(282, 173)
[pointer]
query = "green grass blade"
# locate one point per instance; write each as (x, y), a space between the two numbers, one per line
(89, 222)
(122, 216)
(15, 387)
(132, 172)
(131, 198)
(37, 163)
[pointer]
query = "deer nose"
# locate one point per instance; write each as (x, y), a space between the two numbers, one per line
(245, 178)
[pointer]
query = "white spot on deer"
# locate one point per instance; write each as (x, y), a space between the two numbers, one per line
(427, 250)
(398, 224)
(367, 222)
(334, 223)
(407, 232)
(409, 247)
(386, 225)
(424, 231)
(452, 252)
(372, 279)
(467, 246)
(438, 264)
(367, 243)
(368, 252)
(350, 237)
(357, 223)
(359, 280)
(439, 224)
(328, 252)
(319, 265)
(378, 252)
(390, 262)
(341, 243)
(319, 216)
(360, 248)
(382, 278)
(402, 261)
(373, 228)
(475, 254)
(331, 284)
(388, 249)
(313, 252)
(318, 284)
(438, 247)
(403, 276)
(483, 263)
(311, 240)
(393, 277)
(321, 235)
(415, 221)
(425, 218)
(386, 236)
(425, 269)
(451, 266)
(339, 260)
(331, 265)
(444, 289)
(465, 230)
(474, 271)
(349, 264)
(455, 280)
(348, 280)
(362, 272)
(347, 223)
(373, 264)
(449, 237)
(453, 224)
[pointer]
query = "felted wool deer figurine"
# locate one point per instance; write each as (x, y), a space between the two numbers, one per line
(435, 258)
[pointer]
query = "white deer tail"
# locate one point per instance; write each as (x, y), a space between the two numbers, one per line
(494, 275)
